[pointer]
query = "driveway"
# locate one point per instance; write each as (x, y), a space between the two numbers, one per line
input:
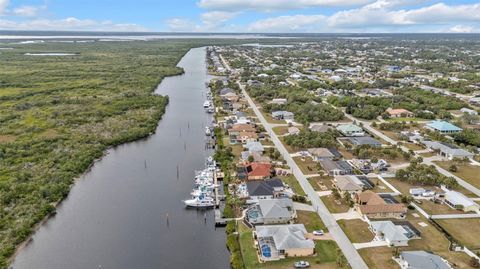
(372, 244)
(351, 214)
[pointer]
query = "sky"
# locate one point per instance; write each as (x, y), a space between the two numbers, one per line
(244, 16)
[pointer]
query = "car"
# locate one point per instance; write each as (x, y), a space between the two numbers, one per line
(318, 232)
(301, 264)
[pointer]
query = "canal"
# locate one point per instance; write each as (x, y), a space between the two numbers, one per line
(116, 214)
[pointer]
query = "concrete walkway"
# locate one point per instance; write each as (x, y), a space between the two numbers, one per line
(372, 244)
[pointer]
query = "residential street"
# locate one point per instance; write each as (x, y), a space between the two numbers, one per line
(353, 257)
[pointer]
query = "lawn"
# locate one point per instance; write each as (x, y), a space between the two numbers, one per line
(311, 220)
(467, 235)
(438, 209)
(319, 181)
(379, 258)
(412, 146)
(291, 181)
(325, 257)
(307, 165)
(404, 187)
(467, 172)
(333, 206)
(280, 130)
(356, 230)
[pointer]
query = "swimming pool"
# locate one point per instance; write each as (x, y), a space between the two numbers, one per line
(266, 251)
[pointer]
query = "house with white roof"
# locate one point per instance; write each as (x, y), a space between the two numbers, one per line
(394, 235)
(271, 211)
(448, 150)
(457, 200)
(279, 241)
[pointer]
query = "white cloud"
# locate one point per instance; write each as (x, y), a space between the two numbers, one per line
(180, 25)
(214, 20)
(270, 5)
(3, 6)
(28, 11)
(69, 24)
(379, 16)
(462, 29)
(295, 23)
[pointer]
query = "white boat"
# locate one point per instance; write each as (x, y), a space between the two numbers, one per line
(211, 109)
(208, 131)
(200, 202)
(206, 104)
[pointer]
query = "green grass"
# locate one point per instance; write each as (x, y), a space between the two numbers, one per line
(293, 183)
(356, 230)
(311, 220)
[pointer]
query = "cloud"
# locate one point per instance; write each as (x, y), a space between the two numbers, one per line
(295, 23)
(69, 24)
(270, 5)
(3, 6)
(28, 11)
(215, 20)
(462, 29)
(180, 25)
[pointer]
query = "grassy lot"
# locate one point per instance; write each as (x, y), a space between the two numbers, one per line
(379, 258)
(345, 153)
(404, 119)
(428, 154)
(237, 150)
(412, 146)
(290, 149)
(356, 230)
(380, 186)
(307, 165)
(291, 181)
(438, 209)
(280, 130)
(311, 220)
(466, 235)
(321, 180)
(404, 187)
(333, 206)
(325, 257)
(467, 172)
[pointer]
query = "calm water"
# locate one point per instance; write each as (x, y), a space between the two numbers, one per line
(115, 216)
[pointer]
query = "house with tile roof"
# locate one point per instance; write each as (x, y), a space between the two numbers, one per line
(372, 206)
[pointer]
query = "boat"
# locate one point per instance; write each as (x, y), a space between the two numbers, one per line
(208, 131)
(206, 104)
(200, 202)
(211, 109)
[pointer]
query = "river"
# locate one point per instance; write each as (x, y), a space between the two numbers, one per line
(116, 214)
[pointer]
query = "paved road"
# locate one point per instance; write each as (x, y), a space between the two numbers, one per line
(355, 260)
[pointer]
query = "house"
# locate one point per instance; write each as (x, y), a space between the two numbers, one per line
(271, 211)
(237, 128)
(358, 141)
(265, 189)
(421, 259)
(280, 241)
(469, 111)
(283, 115)
(350, 130)
(421, 192)
(336, 167)
(395, 235)
(457, 200)
(319, 154)
(448, 150)
(443, 127)
(255, 171)
(320, 128)
(257, 157)
(279, 101)
(372, 206)
(347, 184)
(226, 91)
(399, 113)
(245, 137)
(254, 147)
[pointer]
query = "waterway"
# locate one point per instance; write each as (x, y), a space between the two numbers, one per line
(116, 214)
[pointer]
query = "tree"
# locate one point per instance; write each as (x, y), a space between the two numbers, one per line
(474, 262)
(453, 168)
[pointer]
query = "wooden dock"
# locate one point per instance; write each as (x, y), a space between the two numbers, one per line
(217, 198)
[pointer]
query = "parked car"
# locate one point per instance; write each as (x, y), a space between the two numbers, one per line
(301, 264)
(318, 232)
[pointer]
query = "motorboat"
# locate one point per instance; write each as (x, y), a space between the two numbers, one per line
(208, 131)
(211, 109)
(207, 104)
(200, 202)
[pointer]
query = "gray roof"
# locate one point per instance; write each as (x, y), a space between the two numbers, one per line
(321, 128)
(286, 236)
(448, 149)
(423, 260)
(276, 208)
(390, 231)
(263, 187)
(330, 165)
(346, 183)
(321, 152)
(364, 140)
